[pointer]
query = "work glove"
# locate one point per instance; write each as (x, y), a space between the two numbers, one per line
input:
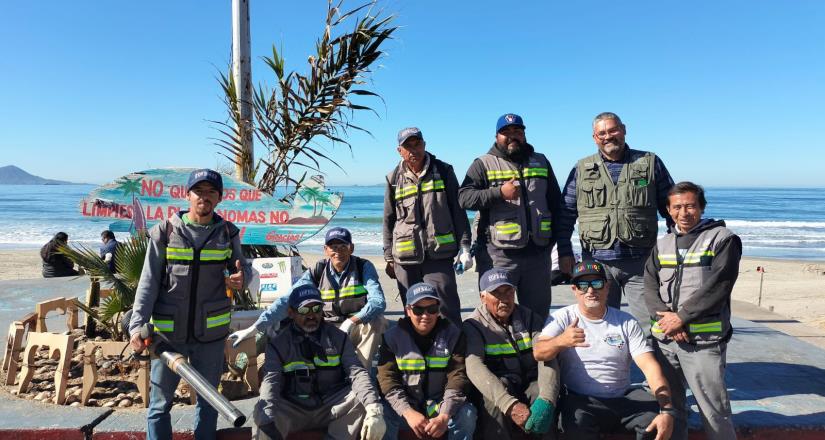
(465, 258)
(240, 335)
(374, 426)
(346, 326)
(541, 417)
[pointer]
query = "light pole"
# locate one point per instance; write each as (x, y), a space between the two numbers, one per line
(242, 76)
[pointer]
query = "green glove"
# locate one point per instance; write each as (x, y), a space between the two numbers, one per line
(541, 417)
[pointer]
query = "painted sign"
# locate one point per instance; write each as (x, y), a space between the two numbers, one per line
(141, 199)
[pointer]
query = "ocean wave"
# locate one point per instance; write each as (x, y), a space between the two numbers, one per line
(772, 224)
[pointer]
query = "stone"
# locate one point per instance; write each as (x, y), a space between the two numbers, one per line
(125, 403)
(72, 399)
(109, 404)
(75, 404)
(121, 396)
(43, 395)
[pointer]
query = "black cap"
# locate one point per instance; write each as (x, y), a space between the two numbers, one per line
(588, 267)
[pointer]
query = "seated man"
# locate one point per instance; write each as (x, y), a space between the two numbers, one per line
(518, 392)
(421, 372)
(313, 380)
(353, 299)
(595, 344)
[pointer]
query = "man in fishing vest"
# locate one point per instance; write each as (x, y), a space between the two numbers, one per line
(424, 228)
(353, 299)
(688, 282)
(615, 194)
(515, 192)
(421, 372)
(595, 345)
(182, 291)
(519, 394)
(313, 380)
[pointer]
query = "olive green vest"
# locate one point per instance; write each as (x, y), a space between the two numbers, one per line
(309, 381)
(344, 299)
(682, 276)
(423, 220)
(193, 304)
(508, 352)
(624, 211)
(513, 223)
(424, 374)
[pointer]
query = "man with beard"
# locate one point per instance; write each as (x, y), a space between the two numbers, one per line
(353, 299)
(313, 380)
(595, 345)
(615, 195)
(517, 393)
(517, 196)
(182, 290)
(424, 228)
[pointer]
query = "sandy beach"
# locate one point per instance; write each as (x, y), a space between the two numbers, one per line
(795, 289)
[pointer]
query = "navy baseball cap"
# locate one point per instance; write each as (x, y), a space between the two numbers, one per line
(303, 295)
(495, 278)
(419, 291)
(409, 132)
(588, 267)
(205, 175)
(338, 233)
(509, 119)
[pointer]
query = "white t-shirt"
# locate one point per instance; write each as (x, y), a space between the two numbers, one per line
(603, 368)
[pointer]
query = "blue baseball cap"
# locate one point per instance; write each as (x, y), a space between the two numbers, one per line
(205, 175)
(409, 132)
(419, 291)
(303, 295)
(509, 119)
(339, 234)
(495, 278)
(588, 267)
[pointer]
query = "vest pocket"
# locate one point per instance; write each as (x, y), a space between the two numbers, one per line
(595, 231)
(444, 242)
(407, 246)
(638, 186)
(544, 228)
(164, 318)
(215, 319)
(506, 232)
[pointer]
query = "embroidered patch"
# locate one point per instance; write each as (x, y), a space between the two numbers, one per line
(614, 340)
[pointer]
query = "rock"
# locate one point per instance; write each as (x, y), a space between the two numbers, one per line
(43, 395)
(98, 338)
(41, 370)
(76, 391)
(109, 404)
(72, 399)
(121, 396)
(75, 404)
(13, 392)
(125, 403)
(106, 365)
(91, 402)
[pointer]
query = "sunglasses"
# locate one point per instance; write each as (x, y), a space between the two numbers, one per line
(306, 310)
(431, 309)
(595, 284)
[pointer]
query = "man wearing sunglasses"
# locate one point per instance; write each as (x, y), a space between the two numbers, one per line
(353, 299)
(421, 372)
(615, 195)
(595, 344)
(518, 393)
(313, 380)
(689, 278)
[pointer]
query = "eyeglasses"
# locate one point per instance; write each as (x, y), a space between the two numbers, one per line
(431, 309)
(615, 131)
(584, 285)
(306, 310)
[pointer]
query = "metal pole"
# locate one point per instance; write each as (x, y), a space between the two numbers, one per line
(242, 75)
(761, 278)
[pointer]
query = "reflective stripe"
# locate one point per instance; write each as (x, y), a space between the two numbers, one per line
(534, 172)
(400, 193)
(525, 343)
(403, 246)
(654, 326)
(163, 325)
(218, 320)
(349, 291)
(508, 228)
(445, 239)
(428, 186)
(432, 409)
(411, 364)
(432, 185)
(544, 225)
(509, 174)
(297, 365)
(437, 362)
(708, 327)
(332, 361)
(670, 260)
(185, 254)
(215, 255)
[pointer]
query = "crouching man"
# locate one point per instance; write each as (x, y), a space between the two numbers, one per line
(421, 372)
(594, 344)
(313, 379)
(519, 393)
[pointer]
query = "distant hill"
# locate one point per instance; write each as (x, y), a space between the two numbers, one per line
(12, 175)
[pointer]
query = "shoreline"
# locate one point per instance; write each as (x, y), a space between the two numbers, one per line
(792, 288)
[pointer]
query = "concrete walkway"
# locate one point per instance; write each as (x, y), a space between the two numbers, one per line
(776, 380)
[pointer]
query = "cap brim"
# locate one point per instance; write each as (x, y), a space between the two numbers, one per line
(499, 284)
(307, 302)
(425, 296)
(404, 139)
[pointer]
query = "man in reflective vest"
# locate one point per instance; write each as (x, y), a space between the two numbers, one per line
(515, 192)
(421, 372)
(518, 393)
(688, 282)
(353, 299)
(615, 194)
(424, 228)
(313, 380)
(182, 290)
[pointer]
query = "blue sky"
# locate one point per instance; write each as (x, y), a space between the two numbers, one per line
(727, 93)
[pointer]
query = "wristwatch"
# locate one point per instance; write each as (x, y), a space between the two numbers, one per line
(670, 411)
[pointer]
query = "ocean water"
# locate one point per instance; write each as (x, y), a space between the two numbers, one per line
(786, 223)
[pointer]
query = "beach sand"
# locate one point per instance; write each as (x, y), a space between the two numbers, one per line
(795, 289)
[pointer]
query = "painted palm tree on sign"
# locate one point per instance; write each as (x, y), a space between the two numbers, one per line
(132, 187)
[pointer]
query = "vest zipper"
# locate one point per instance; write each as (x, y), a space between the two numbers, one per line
(523, 189)
(193, 292)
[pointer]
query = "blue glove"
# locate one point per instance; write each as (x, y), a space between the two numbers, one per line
(541, 417)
